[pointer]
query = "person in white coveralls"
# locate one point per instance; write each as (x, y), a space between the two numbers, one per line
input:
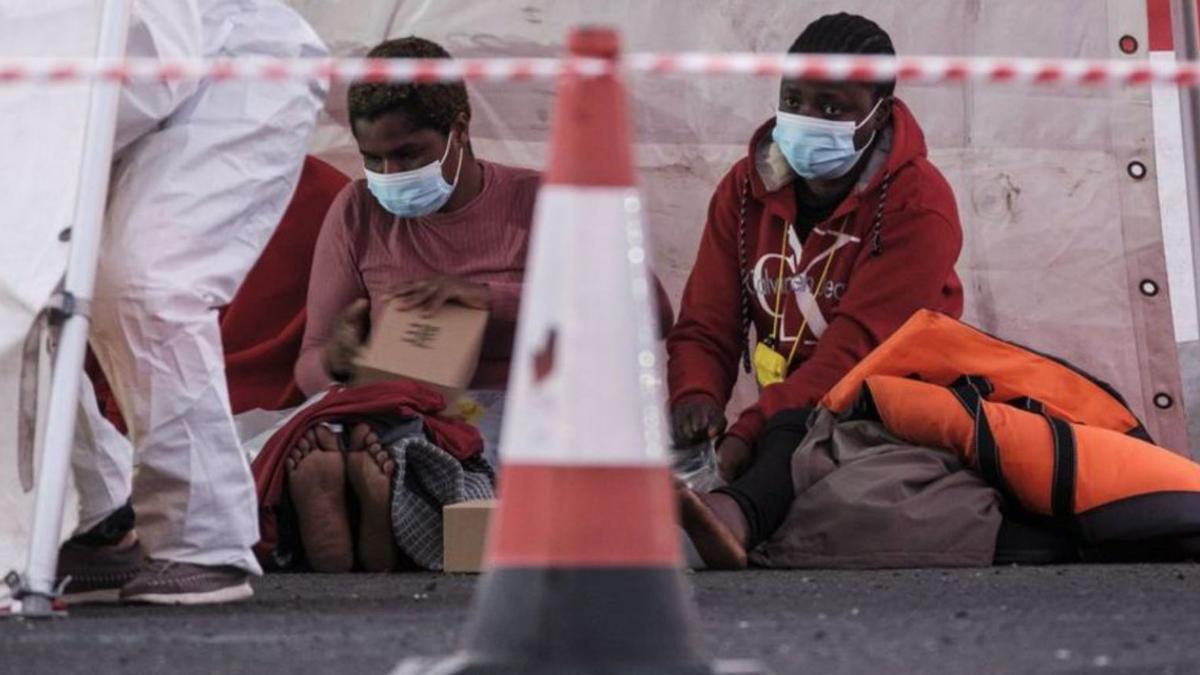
(202, 173)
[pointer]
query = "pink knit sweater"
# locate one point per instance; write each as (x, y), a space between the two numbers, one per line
(365, 252)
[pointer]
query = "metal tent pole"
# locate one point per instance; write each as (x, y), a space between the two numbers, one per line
(1184, 22)
(36, 589)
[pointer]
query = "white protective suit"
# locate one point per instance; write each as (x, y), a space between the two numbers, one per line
(202, 174)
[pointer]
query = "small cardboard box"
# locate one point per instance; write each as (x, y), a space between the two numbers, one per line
(441, 351)
(464, 534)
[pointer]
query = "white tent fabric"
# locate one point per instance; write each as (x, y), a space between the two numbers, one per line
(1059, 236)
(1172, 199)
(39, 176)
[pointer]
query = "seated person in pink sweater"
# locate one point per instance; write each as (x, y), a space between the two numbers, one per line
(431, 224)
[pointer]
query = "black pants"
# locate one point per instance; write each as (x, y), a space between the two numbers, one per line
(765, 490)
(109, 531)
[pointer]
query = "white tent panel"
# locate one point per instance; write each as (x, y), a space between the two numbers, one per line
(1172, 197)
(39, 176)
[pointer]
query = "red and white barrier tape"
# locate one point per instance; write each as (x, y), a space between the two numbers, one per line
(915, 69)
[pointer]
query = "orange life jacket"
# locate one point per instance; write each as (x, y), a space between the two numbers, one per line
(935, 348)
(1054, 440)
(1047, 465)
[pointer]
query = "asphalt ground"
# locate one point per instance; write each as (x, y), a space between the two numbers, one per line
(1123, 619)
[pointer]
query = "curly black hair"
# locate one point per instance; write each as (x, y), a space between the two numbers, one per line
(432, 106)
(844, 33)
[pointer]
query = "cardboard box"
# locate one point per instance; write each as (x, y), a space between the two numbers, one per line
(441, 351)
(464, 535)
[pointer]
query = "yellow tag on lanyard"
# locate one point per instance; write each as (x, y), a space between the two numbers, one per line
(770, 367)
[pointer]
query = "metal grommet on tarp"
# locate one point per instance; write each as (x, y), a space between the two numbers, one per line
(1164, 401)
(1137, 170)
(1128, 44)
(1149, 288)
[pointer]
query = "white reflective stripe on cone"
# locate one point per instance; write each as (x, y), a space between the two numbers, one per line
(586, 386)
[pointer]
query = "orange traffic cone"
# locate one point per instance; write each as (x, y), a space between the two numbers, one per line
(584, 556)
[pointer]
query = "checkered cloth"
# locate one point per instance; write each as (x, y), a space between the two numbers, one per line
(426, 479)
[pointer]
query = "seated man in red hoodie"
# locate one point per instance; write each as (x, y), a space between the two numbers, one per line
(825, 238)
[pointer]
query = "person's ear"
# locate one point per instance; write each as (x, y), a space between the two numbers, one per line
(461, 128)
(883, 115)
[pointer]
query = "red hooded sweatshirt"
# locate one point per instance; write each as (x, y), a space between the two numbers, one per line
(887, 263)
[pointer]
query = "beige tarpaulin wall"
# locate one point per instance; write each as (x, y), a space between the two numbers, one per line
(39, 171)
(1059, 237)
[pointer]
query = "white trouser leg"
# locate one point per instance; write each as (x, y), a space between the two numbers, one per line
(192, 491)
(101, 460)
(191, 206)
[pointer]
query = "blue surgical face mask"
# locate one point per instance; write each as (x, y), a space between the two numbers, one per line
(420, 192)
(819, 149)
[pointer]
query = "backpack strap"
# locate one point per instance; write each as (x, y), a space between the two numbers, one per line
(971, 391)
(1028, 405)
(1066, 462)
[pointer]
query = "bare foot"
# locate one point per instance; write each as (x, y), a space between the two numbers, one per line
(317, 483)
(370, 469)
(715, 524)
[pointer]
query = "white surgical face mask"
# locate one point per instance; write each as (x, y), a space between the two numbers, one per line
(419, 192)
(819, 149)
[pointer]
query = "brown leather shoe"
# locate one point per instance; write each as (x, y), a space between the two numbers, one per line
(163, 582)
(97, 573)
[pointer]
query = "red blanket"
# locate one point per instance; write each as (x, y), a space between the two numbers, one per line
(263, 325)
(392, 398)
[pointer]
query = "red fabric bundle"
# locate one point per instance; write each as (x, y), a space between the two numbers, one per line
(393, 398)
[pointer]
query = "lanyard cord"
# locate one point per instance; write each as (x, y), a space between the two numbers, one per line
(820, 284)
(777, 323)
